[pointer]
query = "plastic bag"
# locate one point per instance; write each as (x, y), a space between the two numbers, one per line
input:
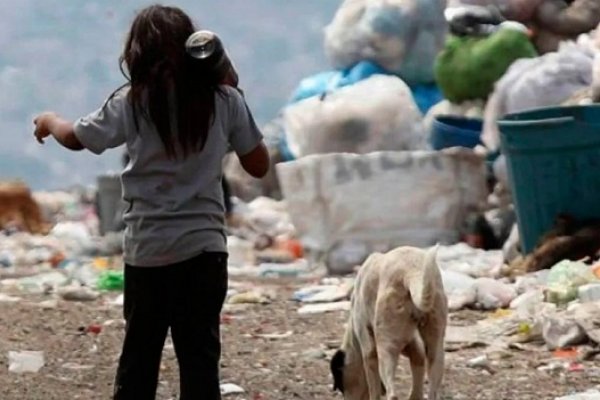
(493, 294)
(537, 82)
(476, 263)
(565, 278)
(111, 280)
(403, 36)
(344, 122)
(460, 290)
(324, 82)
(25, 361)
(468, 67)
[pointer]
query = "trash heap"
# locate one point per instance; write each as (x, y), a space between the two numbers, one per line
(358, 177)
(68, 259)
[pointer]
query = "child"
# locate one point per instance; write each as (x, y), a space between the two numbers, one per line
(177, 122)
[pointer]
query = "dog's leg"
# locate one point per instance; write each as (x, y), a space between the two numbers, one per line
(388, 361)
(372, 373)
(370, 364)
(434, 349)
(415, 353)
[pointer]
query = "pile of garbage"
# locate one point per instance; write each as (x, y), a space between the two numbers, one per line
(558, 308)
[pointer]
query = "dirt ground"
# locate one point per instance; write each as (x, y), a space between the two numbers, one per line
(292, 367)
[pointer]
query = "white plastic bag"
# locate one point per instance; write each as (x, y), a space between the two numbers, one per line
(493, 294)
(344, 121)
(465, 259)
(403, 36)
(20, 362)
(460, 290)
(537, 82)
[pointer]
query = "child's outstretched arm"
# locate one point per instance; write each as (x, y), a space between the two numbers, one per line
(50, 124)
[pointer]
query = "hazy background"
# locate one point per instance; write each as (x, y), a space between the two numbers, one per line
(61, 55)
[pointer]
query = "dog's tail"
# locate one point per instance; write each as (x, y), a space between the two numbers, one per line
(421, 284)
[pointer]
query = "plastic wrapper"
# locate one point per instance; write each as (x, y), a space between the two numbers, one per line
(344, 122)
(403, 36)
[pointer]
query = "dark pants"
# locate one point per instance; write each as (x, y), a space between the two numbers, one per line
(186, 297)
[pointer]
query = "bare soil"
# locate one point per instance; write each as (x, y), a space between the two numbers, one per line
(82, 366)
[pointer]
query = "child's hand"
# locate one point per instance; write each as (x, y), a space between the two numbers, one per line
(42, 126)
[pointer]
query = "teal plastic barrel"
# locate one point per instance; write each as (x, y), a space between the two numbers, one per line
(553, 160)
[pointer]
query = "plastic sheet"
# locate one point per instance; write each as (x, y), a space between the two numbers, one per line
(403, 36)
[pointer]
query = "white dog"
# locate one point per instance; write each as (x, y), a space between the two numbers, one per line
(398, 307)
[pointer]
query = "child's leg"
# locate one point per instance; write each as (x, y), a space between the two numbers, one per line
(195, 324)
(146, 313)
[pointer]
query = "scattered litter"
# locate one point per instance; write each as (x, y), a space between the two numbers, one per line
(42, 283)
(527, 304)
(479, 362)
(324, 307)
(274, 336)
(564, 280)
(251, 297)
(567, 353)
(4, 298)
(493, 294)
(560, 333)
(94, 329)
(78, 293)
(589, 395)
(118, 301)
(324, 293)
(294, 269)
(25, 361)
(230, 388)
(111, 281)
(76, 367)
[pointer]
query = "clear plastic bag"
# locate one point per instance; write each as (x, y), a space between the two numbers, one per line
(403, 36)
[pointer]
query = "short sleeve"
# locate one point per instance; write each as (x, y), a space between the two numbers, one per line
(244, 135)
(104, 128)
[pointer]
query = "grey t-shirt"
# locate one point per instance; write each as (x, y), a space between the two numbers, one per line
(175, 206)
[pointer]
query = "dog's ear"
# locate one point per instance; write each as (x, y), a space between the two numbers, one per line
(337, 370)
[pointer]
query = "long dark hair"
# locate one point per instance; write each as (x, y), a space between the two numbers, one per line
(167, 86)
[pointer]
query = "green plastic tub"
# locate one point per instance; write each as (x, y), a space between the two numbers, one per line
(553, 160)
